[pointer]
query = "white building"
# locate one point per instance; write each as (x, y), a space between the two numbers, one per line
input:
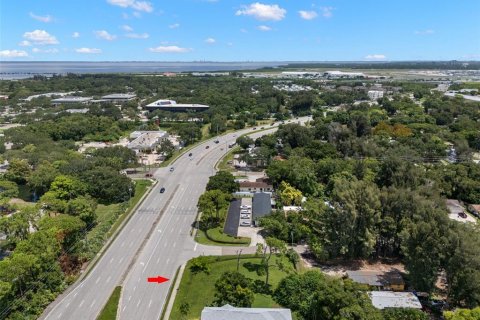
(71, 100)
(390, 299)
(341, 75)
(233, 313)
(146, 140)
(173, 106)
(375, 94)
(119, 97)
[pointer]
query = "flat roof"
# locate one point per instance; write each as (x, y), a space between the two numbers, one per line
(119, 96)
(262, 205)
(233, 313)
(163, 103)
(233, 218)
(71, 99)
(390, 299)
(376, 278)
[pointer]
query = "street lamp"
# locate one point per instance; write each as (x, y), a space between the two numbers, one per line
(238, 258)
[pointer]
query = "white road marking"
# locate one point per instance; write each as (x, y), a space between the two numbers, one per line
(121, 259)
(98, 279)
(158, 260)
(129, 298)
(59, 316)
(124, 308)
(138, 303)
(168, 260)
(150, 303)
(111, 260)
(81, 303)
(92, 304)
(174, 244)
(195, 248)
(75, 294)
(108, 280)
(159, 230)
(134, 288)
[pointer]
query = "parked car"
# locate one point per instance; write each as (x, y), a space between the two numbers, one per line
(245, 223)
(245, 211)
(244, 216)
(171, 169)
(148, 175)
(162, 190)
(244, 206)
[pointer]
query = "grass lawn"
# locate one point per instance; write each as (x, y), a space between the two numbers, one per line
(217, 238)
(223, 163)
(199, 290)
(109, 311)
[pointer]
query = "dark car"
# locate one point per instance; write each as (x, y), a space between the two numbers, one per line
(162, 190)
(272, 124)
(171, 169)
(190, 154)
(148, 175)
(207, 147)
(216, 141)
(254, 129)
(262, 128)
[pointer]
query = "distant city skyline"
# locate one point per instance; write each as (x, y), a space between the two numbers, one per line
(237, 30)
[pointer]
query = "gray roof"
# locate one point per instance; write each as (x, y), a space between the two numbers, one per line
(376, 278)
(227, 312)
(262, 205)
(233, 218)
(389, 299)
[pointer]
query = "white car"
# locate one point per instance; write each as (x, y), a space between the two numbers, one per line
(245, 223)
(245, 212)
(245, 206)
(245, 216)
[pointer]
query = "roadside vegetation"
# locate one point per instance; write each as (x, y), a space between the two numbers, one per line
(109, 311)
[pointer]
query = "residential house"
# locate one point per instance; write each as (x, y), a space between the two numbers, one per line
(389, 299)
(390, 280)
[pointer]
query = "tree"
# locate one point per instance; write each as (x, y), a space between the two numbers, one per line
(463, 314)
(199, 264)
(404, 314)
(42, 177)
(166, 148)
(224, 181)
(233, 288)
(218, 124)
(184, 309)
(67, 187)
(8, 189)
(108, 185)
(211, 203)
(119, 157)
(244, 142)
(70, 230)
(289, 195)
(274, 245)
(84, 208)
(18, 171)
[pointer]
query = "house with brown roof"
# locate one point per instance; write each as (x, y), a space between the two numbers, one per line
(257, 186)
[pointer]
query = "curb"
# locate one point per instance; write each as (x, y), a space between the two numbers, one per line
(173, 292)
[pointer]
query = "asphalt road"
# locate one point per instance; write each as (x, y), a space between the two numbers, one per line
(154, 242)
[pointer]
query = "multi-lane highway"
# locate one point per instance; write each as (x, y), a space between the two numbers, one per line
(155, 241)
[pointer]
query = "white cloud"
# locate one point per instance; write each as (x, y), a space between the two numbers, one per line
(46, 18)
(174, 26)
(170, 49)
(307, 15)
(103, 34)
(127, 28)
(425, 32)
(137, 14)
(13, 53)
(52, 50)
(88, 50)
(24, 43)
(40, 37)
(76, 34)
(144, 6)
(243, 30)
(210, 40)
(264, 28)
(229, 44)
(263, 12)
(327, 11)
(137, 35)
(375, 57)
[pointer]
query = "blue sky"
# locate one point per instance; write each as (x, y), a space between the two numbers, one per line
(239, 30)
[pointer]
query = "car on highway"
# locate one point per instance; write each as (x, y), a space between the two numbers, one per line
(262, 128)
(207, 147)
(254, 128)
(171, 169)
(271, 125)
(190, 154)
(162, 190)
(216, 141)
(245, 223)
(148, 175)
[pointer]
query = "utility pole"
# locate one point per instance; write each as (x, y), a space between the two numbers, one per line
(291, 233)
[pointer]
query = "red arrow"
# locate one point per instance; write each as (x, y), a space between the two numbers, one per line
(158, 279)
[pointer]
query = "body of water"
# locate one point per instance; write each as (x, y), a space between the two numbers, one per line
(25, 69)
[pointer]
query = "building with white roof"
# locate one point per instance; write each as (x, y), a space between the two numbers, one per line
(233, 313)
(71, 100)
(146, 140)
(119, 97)
(375, 94)
(173, 106)
(340, 74)
(390, 299)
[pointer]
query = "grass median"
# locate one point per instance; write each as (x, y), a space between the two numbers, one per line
(109, 311)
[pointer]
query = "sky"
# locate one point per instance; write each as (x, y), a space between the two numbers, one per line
(239, 30)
